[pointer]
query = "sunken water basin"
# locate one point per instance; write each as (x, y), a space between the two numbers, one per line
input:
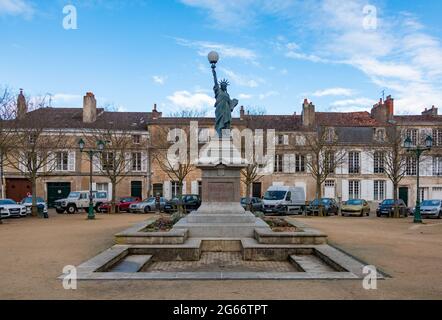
(302, 254)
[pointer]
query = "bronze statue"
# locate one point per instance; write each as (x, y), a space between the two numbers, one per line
(224, 105)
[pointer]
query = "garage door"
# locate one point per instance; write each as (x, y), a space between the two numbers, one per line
(17, 189)
(57, 191)
(437, 193)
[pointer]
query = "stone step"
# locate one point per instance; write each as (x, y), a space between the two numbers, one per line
(220, 230)
(131, 263)
(310, 263)
(220, 218)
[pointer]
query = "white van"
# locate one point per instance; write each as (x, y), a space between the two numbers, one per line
(284, 200)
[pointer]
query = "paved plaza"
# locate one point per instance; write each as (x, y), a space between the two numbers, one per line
(34, 252)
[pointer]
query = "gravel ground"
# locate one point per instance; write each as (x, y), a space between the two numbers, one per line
(34, 251)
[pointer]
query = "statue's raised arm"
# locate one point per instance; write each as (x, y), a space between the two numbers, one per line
(215, 79)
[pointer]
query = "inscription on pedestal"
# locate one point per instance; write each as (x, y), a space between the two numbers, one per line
(221, 191)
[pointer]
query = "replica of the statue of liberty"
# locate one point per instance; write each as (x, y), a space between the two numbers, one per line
(224, 106)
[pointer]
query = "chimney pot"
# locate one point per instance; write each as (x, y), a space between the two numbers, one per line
(22, 106)
(89, 108)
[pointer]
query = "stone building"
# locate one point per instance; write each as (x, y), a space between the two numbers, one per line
(360, 174)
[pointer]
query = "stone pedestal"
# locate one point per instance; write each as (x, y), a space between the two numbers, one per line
(221, 214)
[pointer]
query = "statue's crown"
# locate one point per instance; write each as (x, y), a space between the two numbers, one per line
(225, 82)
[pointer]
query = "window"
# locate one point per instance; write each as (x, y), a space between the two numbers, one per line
(379, 162)
(61, 161)
(437, 166)
(329, 134)
(329, 159)
(413, 134)
(283, 139)
(278, 163)
(32, 138)
(437, 137)
(300, 163)
(354, 187)
(379, 134)
(136, 139)
(329, 183)
(354, 162)
(103, 187)
(379, 190)
(175, 189)
(108, 161)
(411, 166)
(136, 161)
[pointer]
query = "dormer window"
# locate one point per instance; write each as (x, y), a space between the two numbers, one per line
(136, 139)
(379, 134)
(329, 134)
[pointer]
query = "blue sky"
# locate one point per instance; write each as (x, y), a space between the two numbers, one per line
(275, 53)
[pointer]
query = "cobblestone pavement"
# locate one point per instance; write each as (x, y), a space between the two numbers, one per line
(221, 261)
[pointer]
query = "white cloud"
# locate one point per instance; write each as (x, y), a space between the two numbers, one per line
(358, 102)
(268, 94)
(16, 8)
(333, 92)
(245, 96)
(188, 100)
(159, 79)
(225, 50)
(67, 100)
(242, 80)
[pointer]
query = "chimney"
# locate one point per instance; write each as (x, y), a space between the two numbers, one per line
(430, 112)
(89, 108)
(308, 114)
(384, 110)
(155, 113)
(241, 113)
(22, 107)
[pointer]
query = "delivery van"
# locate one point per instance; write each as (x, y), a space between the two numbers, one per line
(284, 200)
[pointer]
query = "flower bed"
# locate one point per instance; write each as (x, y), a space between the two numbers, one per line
(279, 225)
(162, 225)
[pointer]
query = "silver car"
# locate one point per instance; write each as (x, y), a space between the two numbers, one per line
(431, 208)
(27, 202)
(10, 209)
(147, 205)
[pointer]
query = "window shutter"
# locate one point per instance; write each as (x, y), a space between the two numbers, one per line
(366, 163)
(286, 163)
(367, 190)
(167, 190)
(389, 193)
(71, 161)
(194, 187)
(50, 164)
(144, 164)
(286, 139)
(344, 165)
(109, 191)
(96, 163)
(94, 186)
(292, 162)
(344, 195)
(40, 163)
(184, 191)
(426, 166)
(128, 161)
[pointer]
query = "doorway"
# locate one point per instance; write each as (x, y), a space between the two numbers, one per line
(257, 190)
(403, 194)
(136, 189)
(17, 189)
(57, 191)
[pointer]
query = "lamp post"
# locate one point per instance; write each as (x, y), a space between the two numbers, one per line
(418, 150)
(91, 153)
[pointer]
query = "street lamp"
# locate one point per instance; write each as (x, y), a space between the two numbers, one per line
(418, 150)
(91, 153)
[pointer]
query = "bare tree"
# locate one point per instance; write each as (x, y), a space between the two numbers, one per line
(121, 155)
(176, 167)
(189, 113)
(392, 160)
(323, 156)
(250, 175)
(32, 153)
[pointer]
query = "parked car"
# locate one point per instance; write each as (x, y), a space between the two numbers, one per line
(10, 209)
(386, 208)
(255, 203)
(78, 200)
(147, 205)
(27, 202)
(357, 207)
(284, 200)
(431, 208)
(330, 206)
(121, 206)
(191, 202)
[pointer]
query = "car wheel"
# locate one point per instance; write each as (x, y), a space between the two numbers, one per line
(440, 215)
(71, 209)
(146, 209)
(368, 213)
(59, 211)
(97, 208)
(362, 213)
(378, 215)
